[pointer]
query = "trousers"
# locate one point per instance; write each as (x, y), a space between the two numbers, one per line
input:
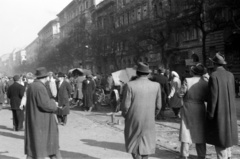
(200, 148)
(18, 118)
(223, 153)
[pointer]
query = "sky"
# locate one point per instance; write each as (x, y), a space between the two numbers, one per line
(21, 20)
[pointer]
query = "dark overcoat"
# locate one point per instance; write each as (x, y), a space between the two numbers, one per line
(141, 97)
(64, 93)
(221, 110)
(163, 81)
(15, 94)
(41, 130)
(2, 92)
(88, 89)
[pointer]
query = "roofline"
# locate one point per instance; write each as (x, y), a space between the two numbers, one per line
(73, 1)
(50, 22)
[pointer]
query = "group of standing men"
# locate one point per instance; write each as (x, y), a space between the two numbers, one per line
(214, 123)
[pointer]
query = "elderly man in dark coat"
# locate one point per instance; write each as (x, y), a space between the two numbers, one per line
(15, 94)
(63, 98)
(221, 110)
(141, 97)
(41, 132)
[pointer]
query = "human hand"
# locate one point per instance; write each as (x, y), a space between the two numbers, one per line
(21, 107)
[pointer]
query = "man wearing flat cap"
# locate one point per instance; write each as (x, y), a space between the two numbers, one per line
(221, 122)
(15, 94)
(41, 131)
(141, 97)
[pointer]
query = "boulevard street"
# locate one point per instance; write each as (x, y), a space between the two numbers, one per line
(94, 136)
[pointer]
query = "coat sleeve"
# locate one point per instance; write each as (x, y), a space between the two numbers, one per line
(69, 90)
(213, 96)
(158, 100)
(22, 91)
(44, 102)
(127, 98)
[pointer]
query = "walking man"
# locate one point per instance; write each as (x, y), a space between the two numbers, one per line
(41, 132)
(141, 97)
(63, 98)
(163, 81)
(15, 94)
(221, 110)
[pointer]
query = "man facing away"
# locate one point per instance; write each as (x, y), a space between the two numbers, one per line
(163, 81)
(41, 132)
(141, 97)
(15, 94)
(221, 109)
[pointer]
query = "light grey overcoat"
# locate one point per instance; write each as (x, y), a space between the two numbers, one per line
(141, 97)
(193, 112)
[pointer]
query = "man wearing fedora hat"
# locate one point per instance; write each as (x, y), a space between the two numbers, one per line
(41, 131)
(222, 129)
(194, 93)
(141, 97)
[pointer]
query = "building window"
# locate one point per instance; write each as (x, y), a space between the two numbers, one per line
(139, 10)
(144, 10)
(133, 16)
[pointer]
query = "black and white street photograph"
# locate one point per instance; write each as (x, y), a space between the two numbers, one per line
(120, 79)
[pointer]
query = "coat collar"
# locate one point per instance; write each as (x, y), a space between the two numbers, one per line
(220, 68)
(143, 78)
(38, 81)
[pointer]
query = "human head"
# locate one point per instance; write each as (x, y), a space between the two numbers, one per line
(30, 77)
(42, 74)
(143, 69)
(174, 74)
(61, 76)
(218, 59)
(16, 78)
(198, 69)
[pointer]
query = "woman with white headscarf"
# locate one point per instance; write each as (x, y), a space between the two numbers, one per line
(174, 99)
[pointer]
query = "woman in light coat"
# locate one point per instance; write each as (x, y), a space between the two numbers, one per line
(174, 100)
(194, 92)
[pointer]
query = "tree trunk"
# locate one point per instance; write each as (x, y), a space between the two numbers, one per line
(204, 49)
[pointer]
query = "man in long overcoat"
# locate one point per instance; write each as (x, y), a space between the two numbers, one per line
(63, 97)
(88, 89)
(221, 110)
(15, 94)
(141, 97)
(41, 132)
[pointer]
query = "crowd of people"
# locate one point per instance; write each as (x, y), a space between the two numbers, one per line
(204, 104)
